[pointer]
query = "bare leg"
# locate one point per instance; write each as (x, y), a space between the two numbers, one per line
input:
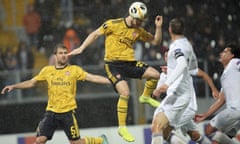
(41, 140)
(160, 122)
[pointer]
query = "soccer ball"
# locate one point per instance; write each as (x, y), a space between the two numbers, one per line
(138, 10)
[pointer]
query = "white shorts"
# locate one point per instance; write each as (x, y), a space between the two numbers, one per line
(186, 121)
(228, 121)
(173, 107)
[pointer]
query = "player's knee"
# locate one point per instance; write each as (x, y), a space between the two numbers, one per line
(157, 126)
(155, 75)
(209, 130)
(123, 93)
(151, 73)
(154, 128)
(122, 88)
(221, 138)
(41, 140)
(195, 135)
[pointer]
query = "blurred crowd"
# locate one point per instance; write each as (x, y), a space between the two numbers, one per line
(210, 25)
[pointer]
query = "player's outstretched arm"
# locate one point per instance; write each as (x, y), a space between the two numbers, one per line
(214, 107)
(89, 40)
(21, 85)
(209, 81)
(97, 79)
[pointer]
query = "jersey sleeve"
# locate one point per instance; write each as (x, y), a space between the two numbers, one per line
(194, 72)
(193, 62)
(81, 74)
(106, 27)
(161, 81)
(181, 65)
(179, 55)
(145, 36)
(41, 75)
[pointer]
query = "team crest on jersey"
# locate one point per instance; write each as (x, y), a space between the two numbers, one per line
(104, 26)
(67, 73)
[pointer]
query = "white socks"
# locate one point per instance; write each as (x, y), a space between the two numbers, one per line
(157, 138)
(221, 138)
(203, 140)
(176, 140)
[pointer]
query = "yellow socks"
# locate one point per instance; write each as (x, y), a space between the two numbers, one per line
(150, 85)
(93, 140)
(122, 110)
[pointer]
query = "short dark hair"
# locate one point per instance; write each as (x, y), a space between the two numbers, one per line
(235, 50)
(177, 26)
(60, 45)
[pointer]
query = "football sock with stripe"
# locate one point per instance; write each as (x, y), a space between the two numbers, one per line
(122, 110)
(157, 138)
(150, 85)
(93, 140)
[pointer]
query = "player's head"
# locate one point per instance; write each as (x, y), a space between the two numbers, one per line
(137, 14)
(229, 52)
(176, 26)
(234, 50)
(60, 52)
(138, 10)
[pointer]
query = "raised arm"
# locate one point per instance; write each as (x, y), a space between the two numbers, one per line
(158, 32)
(93, 36)
(21, 85)
(214, 107)
(209, 81)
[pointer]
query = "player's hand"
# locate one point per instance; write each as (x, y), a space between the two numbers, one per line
(75, 52)
(6, 88)
(156, 93)
(199, 118)
(158, 21)
(163, 88)
(215, 94)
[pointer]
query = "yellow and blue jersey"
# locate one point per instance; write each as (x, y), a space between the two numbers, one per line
(62, 85)
(120, 39)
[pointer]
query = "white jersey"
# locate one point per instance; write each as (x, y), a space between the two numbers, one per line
(228, 120)
(162, 79)
(184, 82)
(230, 81)
(180, 94)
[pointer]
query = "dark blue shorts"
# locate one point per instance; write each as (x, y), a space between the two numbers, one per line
(120, 70)
(51, 121)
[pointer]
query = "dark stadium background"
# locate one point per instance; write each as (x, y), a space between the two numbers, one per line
(210, 25)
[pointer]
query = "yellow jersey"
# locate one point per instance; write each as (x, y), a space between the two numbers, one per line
(120, 38)
(62, 85)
